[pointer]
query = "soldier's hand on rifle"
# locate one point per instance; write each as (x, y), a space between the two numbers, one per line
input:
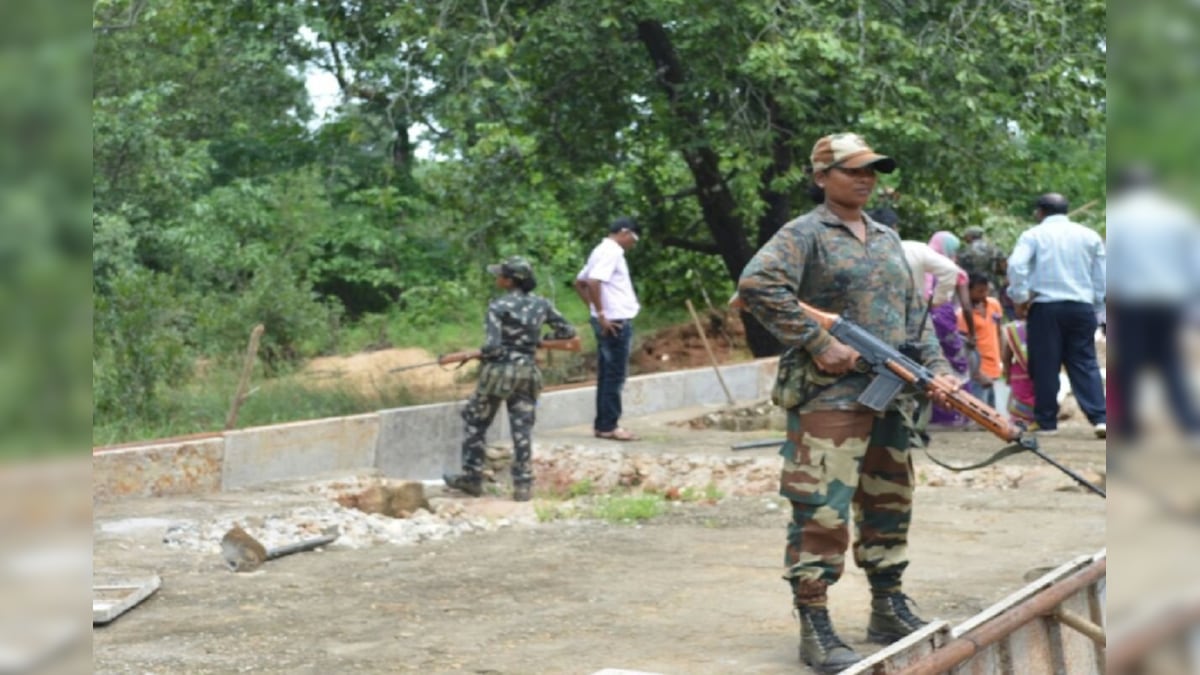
(837, 359)
(943, 387)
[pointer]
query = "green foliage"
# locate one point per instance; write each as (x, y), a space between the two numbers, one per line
(1154, 100)
(296, 321)
(627, 508)
(139, 345)
(547, 512)
(710, 493)
(460, 136)
(581, 488)
(202, 404)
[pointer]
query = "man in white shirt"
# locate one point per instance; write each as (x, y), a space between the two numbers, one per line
(605, 286)
(1056, 273)
(1155, 244)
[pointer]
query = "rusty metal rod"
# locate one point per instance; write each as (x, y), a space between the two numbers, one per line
(965, 646)
(1131, 646)
(1088, 628)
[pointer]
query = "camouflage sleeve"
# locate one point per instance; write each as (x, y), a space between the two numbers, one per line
(919, 324)
(561, 328)
(769, 286)
(492, 345)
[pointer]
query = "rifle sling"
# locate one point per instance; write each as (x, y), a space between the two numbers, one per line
(1008, 451)
(1014, 449)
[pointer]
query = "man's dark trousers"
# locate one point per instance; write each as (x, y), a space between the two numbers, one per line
(612, 365)
(1146, 336)
(1064, 333)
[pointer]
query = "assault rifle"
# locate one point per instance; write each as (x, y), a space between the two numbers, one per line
(567, 345)
(894, 370)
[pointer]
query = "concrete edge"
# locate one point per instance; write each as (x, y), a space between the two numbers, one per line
(413, 443)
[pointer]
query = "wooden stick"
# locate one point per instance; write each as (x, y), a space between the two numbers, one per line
(711, 308)
(1083, 208)
(711, 357)
(247, 367)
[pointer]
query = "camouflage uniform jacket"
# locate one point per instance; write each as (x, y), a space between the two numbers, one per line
(817, 259)
(514, 328)
(981, 257)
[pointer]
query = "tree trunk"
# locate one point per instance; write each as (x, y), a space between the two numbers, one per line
(778, 209)
(716, 201)
(760, 340)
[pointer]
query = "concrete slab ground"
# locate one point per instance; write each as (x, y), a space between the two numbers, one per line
(695, 590)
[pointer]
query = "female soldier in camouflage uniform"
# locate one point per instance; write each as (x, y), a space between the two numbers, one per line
(509, 374)
(839, 455)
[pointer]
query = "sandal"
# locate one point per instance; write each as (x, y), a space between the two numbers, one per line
(618, 434)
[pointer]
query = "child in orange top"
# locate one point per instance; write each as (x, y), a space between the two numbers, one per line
(988, 315)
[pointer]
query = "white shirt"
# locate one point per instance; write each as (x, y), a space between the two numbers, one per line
(607, 265)
(1058, 261)
(922, 260)
(1154, 249)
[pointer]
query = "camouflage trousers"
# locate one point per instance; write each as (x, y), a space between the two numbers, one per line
(481, 409)
(834, 460)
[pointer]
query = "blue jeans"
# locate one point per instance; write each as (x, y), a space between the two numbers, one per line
(612, 365)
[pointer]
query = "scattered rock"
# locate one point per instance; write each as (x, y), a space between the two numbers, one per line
(399, 499)
(754, 417)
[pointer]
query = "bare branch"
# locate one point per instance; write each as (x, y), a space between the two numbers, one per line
(689, 245)
(135, 10)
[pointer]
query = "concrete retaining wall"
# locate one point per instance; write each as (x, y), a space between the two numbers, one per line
(416, 443)
(185, 467)
(299, 449)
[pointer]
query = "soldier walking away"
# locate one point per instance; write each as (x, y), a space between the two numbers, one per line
(839, 454)
(510, 375)
(980, 256)
(1056, 274)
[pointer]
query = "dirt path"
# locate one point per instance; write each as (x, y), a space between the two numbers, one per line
(368, 372)
(694, 591)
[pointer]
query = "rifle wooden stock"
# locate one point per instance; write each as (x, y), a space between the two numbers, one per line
(567, 345)
(893, 369)
(957, 400)
(824, 319)
(458, 357)
(960, 401)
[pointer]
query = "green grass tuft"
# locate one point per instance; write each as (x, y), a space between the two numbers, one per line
(627, 508)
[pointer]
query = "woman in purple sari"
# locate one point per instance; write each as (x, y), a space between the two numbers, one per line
(945, 323)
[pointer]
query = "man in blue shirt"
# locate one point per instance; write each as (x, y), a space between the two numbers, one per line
(1056, 275)
(1156, 274)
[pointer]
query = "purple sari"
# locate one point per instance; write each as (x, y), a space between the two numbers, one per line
(945, 326)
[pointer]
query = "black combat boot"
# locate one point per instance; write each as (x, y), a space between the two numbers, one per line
(522, 492)
(469, 483)
(820, 646)
(891, 618)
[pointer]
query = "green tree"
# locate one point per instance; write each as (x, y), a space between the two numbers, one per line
(650, 100)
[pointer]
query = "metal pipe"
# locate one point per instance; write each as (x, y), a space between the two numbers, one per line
(1091, 630)
(750, 445)
(965, 646)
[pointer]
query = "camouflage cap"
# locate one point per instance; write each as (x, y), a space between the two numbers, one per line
(849, 151)
(972, 233)
(514, 267)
